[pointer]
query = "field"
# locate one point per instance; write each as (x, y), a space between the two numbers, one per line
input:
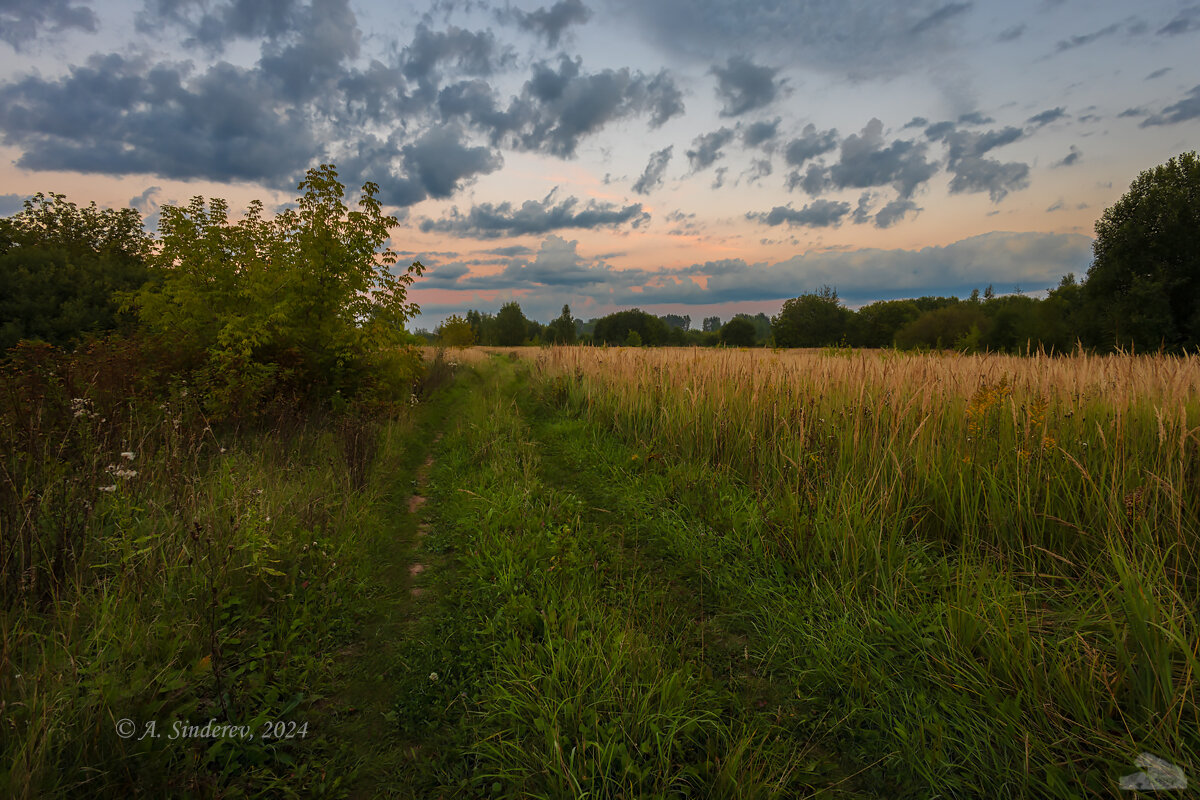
(591, 572)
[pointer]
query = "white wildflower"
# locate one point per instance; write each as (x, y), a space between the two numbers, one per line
(433, 676)
(127, 455)
(112, 488)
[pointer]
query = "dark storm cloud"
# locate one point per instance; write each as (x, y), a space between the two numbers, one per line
(744, 86)
(1185, 109)
(817, 214)
(810, 144)
(760, 133)
(938, 17)
(489, 221)
(22, 21)
(551, 22)
(1047, 116)
(915, 122)
(867, 162)
(858, 37)
(707, 148)
(652, 176)
(1188, 20)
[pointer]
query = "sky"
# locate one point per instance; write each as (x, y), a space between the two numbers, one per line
(699, 157)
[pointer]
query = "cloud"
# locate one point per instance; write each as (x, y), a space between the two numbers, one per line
(939, 17)
(559, 106)
(510, 250)
(489, 221)
(810, 144)
(817, 214)
(855, 37)
(1070, 158)
(707, 148)
(1158, 73)
(23, 21)
(1001, 258)
(866, 162)
(974, 173)
(762, 133)
(214, 27)
(1133, 112)
(1187, 20)
(744, 86)
(1011, 34)
(553, 21)
(1085, 39)
(974, 118)
(560, 274)
(894, 212)
(652, 176)
(11, 204)
(144, 202)
(116, 116)
(466, 52)
(444, 276)
(1047, 116)
(814, 181)
(1186, 109)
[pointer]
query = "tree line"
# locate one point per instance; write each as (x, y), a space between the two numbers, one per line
(1141, 293)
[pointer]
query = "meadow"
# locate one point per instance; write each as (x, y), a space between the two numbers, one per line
(612, 572)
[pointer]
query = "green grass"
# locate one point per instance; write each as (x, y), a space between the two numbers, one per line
(609, 609)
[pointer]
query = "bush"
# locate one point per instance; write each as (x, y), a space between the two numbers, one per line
(300, 302)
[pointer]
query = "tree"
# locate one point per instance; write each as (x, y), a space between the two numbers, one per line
(677, 321)
(309, 297)
(615, 328)
(1145, 274)
(876, 324)
(738, 332)
(562, 329)
(711, 325)
(456, 332)
(814, 319)
(63, 269)
(958, 326)
(511, 325)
